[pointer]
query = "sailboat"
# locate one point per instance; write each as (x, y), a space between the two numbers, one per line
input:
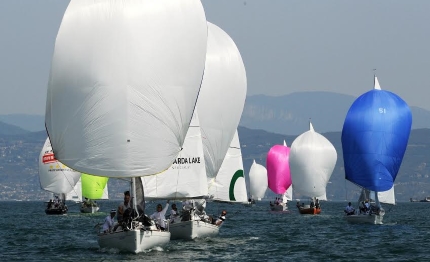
(93, 188)
(312, 160)
(184, 180)
(220, 105)
(278, 175)
(257, 181)
(124, 81)
(374, 139)
(56, 178)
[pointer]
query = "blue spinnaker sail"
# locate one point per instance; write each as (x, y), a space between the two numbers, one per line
(374, 139)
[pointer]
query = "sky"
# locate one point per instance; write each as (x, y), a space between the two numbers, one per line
(287, 46)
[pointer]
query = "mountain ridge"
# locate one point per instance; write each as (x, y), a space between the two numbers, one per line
(286, 114)
(19, 158)
(290, 114)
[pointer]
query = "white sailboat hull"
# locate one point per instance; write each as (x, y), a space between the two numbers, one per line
(365, 219)
(192, 229)
(89, 209)
(134, 241)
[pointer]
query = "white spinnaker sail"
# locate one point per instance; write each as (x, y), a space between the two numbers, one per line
(322, 197)
(123, 85)
(229, 183)
(76, 193)
(221, 97)
(312, 160)
(54, 176)
(257, 180)
(186, 178)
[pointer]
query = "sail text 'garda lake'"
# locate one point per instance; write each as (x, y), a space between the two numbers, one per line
(187, 160)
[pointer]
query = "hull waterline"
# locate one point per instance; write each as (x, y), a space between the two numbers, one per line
(134, 241)
(192, 229)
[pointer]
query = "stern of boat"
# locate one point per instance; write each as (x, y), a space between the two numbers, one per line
(192, 229)
(134, 241)
(365, 219)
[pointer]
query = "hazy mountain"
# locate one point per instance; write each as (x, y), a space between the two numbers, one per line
(290, 114)
(31, 123)
(7, 129)
(287, 114)
(19, 156)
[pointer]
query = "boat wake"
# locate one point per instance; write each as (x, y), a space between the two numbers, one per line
(157, 249)
(389, 224)
(280, 212)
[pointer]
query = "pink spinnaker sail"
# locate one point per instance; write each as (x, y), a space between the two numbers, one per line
(278, 169)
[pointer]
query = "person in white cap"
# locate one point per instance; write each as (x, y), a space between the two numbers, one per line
(109, 222)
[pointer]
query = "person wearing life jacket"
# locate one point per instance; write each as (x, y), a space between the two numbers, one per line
(221, 218)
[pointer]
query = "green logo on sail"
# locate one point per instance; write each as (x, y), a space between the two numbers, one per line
(237, 174)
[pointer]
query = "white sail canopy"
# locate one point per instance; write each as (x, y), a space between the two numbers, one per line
(230, 184)
(123, 85)
(322, 197)
(221, 97)
(257, 180)
(312, 160)
(54, 176)
(186, 178)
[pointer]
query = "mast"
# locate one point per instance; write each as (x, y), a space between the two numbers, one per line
(378, 204)
(133, 192)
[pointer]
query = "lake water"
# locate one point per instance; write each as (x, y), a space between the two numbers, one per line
(249, 234)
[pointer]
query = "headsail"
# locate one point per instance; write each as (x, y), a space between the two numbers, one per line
(312, 160)
(374, 138)
(387, 197)
(221, 97)
(76, 193)
(125, 77)
(230, 184)
(186, 178)
(288, 195)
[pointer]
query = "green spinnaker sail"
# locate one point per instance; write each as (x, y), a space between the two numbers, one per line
(94, 187)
